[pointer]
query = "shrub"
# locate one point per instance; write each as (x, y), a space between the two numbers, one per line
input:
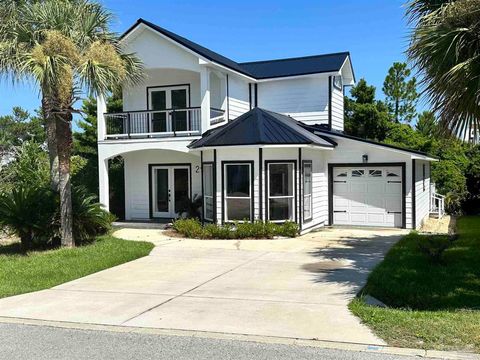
(89, 219)
(32, 213)
(191, 208)
(192, 228)
(434, 246)
(288, 228)
(28, 213)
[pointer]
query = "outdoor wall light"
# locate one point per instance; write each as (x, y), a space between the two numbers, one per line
(365, 158)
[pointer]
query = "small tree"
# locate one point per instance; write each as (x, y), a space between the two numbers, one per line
(401, 93)
(364, 116)
(427, 124)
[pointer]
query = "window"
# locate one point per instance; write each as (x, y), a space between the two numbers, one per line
(424, 176)
(238, 192)
(358, 173)
(280, 191)
(307, 191)
(392, 174)
(342, 174)
(375, 173)
(337, 82)
(208, 191)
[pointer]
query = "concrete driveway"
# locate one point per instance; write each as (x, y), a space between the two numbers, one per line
(294, 288)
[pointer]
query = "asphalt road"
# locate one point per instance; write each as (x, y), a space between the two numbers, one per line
(43, 342)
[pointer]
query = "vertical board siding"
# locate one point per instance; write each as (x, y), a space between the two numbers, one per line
(337, 109)
(422, 205)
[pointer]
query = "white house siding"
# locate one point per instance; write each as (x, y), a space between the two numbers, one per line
(319, 187)
(337, 109)
(137, 200)
(422, 192)
(351, 151)
(238, 102)
(305, 98)
(135, 98)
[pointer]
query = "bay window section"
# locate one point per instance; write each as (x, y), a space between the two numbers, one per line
(238, 192)
(307, 191)
(281, 198)
(208, 192)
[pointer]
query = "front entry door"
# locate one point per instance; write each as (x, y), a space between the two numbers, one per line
(170, 189)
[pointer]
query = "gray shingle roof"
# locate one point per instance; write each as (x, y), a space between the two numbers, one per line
(261, 127)
(259, 69)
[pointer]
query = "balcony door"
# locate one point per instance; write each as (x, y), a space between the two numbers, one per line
(163, 99)
(170, 189)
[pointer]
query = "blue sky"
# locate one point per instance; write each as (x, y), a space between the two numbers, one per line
(374, 31)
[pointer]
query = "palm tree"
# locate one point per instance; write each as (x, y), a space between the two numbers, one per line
(64, 47)
(445, 48)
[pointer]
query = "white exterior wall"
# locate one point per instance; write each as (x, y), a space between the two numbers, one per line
(319, 186)
(305, 99)
(337, 108)
(238, 102)
(135, 98)
(137, 202)
(351, 151)
(422, 193)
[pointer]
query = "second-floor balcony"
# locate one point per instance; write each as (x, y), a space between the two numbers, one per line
(158, 123)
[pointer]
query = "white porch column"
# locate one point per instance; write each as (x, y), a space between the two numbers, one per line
(103, 190)
(205, 96)
(101, 109)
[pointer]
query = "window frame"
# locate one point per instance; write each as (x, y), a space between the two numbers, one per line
(213, 196)
(337, 84)
(308, 163)
(267, 189)
(224, 189)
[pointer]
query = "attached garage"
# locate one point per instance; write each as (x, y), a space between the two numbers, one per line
(367, 195)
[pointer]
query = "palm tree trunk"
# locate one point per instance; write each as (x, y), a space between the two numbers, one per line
(64, 149)
(50, 127)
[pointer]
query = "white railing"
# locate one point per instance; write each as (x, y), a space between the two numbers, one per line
(437, 205)
(153, 123)
(217, 116)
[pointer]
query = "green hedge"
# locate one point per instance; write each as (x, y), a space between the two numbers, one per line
(192, 228)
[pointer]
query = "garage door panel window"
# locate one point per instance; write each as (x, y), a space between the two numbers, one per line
(375, 173)
(307, 191)
(238, 192)
(281, 191)
(358, 173)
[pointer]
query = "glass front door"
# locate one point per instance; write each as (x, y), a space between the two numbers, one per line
(170, 190)
(163, 100)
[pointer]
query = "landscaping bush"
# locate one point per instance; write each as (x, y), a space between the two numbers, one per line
(192, 228)
(32, 213)
(434, 246)
(27, 213)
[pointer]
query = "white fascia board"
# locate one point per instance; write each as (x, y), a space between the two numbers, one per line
(383, 147)
(352, 79)
(322, 74)
(279, 146)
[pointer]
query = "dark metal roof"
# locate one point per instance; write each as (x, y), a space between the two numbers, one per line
(296, 66)
(261, 127)
(321, 129)
(258, 69)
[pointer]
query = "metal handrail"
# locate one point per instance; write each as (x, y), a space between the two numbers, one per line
(151, 123)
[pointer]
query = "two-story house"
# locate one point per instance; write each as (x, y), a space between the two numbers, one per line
(257, 140)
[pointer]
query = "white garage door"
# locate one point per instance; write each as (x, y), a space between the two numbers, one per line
(366, 196)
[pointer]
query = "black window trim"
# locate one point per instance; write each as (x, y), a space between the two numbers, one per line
(306, 220)
(267, 186)
(252, 188)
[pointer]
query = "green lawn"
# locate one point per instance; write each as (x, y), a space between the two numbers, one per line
(432, 306)
(39, 270)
